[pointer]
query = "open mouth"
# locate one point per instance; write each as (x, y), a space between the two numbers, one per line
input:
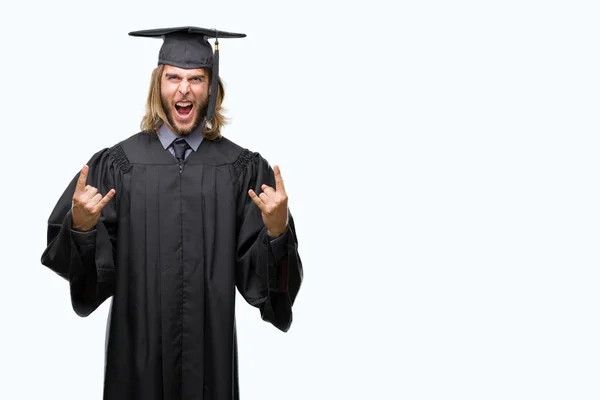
(183, 108)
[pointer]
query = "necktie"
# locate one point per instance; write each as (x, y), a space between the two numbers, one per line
(180, 146)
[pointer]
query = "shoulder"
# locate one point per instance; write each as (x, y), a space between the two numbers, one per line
(136, 141)
(115, 155)
(122, 152)
(241, 157)
(140, 148)
(224, 151)
(250, 166)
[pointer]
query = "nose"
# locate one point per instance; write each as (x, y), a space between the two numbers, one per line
(184, 87)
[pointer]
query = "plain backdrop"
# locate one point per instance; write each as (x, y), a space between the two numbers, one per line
(441, 160)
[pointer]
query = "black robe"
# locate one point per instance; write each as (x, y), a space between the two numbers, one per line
(170, 248)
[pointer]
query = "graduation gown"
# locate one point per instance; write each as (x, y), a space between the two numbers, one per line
(170, 248)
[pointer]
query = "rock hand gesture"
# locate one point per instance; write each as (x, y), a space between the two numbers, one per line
(273, 205)
(87, 203)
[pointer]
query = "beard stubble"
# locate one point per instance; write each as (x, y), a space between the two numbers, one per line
(203, 106)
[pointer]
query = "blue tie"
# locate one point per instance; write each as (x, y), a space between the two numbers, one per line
(180, 146)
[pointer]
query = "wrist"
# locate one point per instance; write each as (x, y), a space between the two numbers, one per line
(274, 234)
(81, 228)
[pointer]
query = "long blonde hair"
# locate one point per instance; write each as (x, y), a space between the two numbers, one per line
(155, 114)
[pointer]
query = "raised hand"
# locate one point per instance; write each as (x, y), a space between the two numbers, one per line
(273, 205)
(87, 203)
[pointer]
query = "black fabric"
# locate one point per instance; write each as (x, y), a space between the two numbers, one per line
(212, 104)
(186, 46)
(170, 248)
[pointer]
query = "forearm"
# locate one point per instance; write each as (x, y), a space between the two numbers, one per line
(85, 245)
(278, 265)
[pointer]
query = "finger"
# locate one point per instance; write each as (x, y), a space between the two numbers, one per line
(104, 201)
(270, 192)
(256, 199)
(268, 202)
(80, 187)
(279, 186)
(90, 205)
(89, 193)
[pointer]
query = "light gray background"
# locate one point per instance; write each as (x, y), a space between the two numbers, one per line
(441, 160)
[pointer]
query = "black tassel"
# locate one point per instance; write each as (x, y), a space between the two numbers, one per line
(212, 101)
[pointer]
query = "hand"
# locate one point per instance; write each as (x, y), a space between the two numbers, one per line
(87, 204)
(273, 205)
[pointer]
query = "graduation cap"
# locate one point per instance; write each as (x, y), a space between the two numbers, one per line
(188, 47)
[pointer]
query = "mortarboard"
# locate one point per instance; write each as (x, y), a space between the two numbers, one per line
(188, 47)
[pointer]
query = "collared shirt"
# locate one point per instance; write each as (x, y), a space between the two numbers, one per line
(167, 137)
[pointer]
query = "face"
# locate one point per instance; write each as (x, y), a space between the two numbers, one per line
(184, 94)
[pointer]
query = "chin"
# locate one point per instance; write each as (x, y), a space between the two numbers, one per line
(184, 129)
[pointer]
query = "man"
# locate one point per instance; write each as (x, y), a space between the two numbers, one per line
(169, 222)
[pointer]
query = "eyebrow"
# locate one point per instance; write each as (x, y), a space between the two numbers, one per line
(171, 75)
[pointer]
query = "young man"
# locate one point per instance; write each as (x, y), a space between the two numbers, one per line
(169, 222)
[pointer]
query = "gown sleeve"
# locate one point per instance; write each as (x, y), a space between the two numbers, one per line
(269, 271)
(86, 259)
